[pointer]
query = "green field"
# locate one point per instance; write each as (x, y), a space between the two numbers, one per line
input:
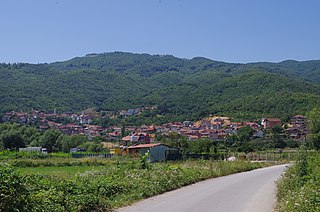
(100, 185)
(61, 171)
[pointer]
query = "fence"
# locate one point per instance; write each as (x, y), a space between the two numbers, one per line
(180, 156)
(256, 156)
(83, 155)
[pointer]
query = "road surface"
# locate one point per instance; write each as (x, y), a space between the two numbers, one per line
(247, 191)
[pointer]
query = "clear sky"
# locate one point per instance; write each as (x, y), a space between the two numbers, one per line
(39, 31)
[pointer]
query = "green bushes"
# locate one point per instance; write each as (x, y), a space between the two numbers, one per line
(13, 192)
(117, 183)
(7, 155)
(58, 162)
(52, 194)
(299, 190)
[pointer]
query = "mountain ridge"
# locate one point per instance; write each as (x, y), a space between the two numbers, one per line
(182, 88)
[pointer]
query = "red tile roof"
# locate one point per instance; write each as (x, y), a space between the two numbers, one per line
(126, 138)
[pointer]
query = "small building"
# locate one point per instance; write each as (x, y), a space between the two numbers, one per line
(158, 151)
(34, 150)
(268, 123)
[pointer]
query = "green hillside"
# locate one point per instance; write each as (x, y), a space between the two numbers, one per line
(181, 88)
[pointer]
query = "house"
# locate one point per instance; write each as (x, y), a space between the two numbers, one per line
(298, 121)
(140, 137)
(296, 133)
(152, 137)
(193, 137)
(85, 119)
(157, 152)
(114, 135)
(126, 138)
(253, 125)
(187, 123)
(213, 135)
(268, 123)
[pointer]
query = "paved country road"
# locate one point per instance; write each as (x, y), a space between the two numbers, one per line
(247, 191)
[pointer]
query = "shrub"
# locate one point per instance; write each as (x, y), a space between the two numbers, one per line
(299, 189)
(13, 193)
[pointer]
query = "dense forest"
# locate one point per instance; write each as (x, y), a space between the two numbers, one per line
(181, 88)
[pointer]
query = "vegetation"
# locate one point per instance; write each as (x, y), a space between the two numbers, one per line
(181, 88)
(14, 136)
(299, 190)
(101, 188)
(314, 127)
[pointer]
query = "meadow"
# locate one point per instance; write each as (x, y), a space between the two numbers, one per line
(88, 184)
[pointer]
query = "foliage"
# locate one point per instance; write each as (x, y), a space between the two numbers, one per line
(299, 190)
(51, 140)
(68, 142)
(314, 127)
(14, 136)
(13, 191)
(117, 184)
(91, 146)
(245, 133)
(12, 140)
(278, 136)
(181, 88)
(143, 160)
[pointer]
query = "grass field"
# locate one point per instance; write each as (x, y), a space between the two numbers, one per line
(101, 185)
(60, 171)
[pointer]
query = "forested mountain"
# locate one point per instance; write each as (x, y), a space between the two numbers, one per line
(181, 88)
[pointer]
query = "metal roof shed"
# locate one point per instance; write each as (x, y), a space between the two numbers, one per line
(157, 151)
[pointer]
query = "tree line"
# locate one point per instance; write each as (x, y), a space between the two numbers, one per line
(14, 136)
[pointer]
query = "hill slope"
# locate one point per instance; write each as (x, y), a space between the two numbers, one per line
(181, 88)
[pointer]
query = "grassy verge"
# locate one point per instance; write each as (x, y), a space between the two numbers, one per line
(102, 188)
(299, 189)
(60, 171)
(26, 162)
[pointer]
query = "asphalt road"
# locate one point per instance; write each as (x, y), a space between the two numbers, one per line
(247, 191)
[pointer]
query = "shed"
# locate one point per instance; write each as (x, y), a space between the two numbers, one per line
(157, 151)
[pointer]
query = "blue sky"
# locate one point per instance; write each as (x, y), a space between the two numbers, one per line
(39, 31)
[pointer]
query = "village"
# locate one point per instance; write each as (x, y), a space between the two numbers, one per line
(216, 128)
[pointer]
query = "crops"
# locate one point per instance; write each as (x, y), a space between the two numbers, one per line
(100, 185)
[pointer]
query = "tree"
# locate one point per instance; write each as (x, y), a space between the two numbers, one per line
(314, 127)
(277, 136)
(91, 146)
(12, 140)
(29, 134)
(51, 139)
(12, 189)
(245, 133)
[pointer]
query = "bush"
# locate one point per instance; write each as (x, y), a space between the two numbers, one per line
(13, 193)
(299, 190)
(120, 182)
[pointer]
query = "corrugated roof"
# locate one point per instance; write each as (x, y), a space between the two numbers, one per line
(144, 146)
